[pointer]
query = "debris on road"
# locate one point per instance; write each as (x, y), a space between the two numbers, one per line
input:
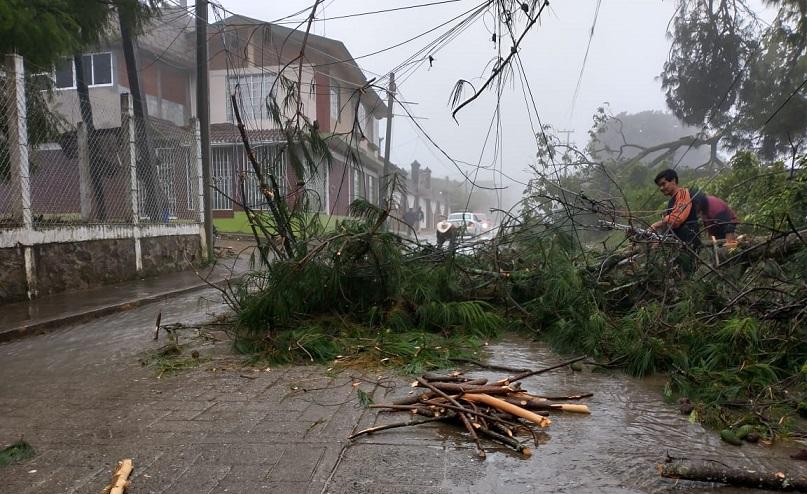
(15, 453)
(717, 471)
(498, 411)
(120, 479)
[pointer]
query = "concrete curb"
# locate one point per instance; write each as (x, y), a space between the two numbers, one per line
(48, 325)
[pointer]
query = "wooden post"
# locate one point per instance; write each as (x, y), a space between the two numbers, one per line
(84, 172)
(130, 159)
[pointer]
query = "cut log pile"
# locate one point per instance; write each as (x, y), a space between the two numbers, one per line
(499, 411)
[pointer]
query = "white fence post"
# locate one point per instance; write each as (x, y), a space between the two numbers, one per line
(20, 165)
(84, 171)
(200, 184)
(130, 152)
(18, 137)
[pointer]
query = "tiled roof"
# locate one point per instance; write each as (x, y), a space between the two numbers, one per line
(227, 132)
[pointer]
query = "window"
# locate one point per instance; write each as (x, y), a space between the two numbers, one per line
(359, 191)
(334, 103)
(220, 161)
(97, 71)
(373, 188)
(165, 180)
(252, 92)
(361, 118)
(64, 74)
(272, 159)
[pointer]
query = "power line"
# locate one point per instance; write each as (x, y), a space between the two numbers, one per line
(372, 12)
(585, 57)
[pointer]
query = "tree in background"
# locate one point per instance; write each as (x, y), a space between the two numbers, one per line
(635, 135)
(45, 33)
(737, 79)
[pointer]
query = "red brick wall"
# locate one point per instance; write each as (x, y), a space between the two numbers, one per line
(174, 85)
(148, 74)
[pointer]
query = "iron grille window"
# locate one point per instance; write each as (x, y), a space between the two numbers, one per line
(221, 161)
(251, 92)
(272, 159)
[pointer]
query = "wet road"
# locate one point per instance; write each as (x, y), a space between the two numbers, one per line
(615, 449)
(81, 397)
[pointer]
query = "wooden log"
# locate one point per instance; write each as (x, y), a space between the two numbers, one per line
(120, 477)
(532, 403)
(506, 440)
(463, 417)
(415, 398)
(450, 378)
(708, 471)
(487, 416)
(509, 408)
(494, 389)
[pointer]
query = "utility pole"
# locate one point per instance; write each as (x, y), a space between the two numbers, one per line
(203, 113)
(387, 141)
(568, 135)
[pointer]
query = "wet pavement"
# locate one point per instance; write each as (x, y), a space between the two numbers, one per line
(44, 313)
(83, 400)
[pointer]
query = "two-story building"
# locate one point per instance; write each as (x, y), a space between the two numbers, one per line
(247, 56)
(166, 61)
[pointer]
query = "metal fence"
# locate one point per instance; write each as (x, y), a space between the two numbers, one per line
(10, 207)
(97, 166)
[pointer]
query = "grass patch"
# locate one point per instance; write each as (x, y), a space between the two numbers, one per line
(240, 224)
(16, 453)
(170, 360)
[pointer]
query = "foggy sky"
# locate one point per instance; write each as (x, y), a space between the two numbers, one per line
(627, 53)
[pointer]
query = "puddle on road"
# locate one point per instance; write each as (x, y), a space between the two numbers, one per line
(615, 449)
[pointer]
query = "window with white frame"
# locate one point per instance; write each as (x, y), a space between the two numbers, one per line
(334, 93)
(97, 71)
(372, 189)
(359, 191)
(252, 92)
(361, 118)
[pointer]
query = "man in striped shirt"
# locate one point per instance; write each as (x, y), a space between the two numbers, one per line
(680, 216)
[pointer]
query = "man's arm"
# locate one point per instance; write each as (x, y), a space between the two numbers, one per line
(679, 212)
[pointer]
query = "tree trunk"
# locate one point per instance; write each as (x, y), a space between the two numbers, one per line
(715, 472)
(146, 156)
(96, 174)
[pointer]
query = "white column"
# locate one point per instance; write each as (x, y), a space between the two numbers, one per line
(18, 135)
(20, 167)
(200, 183)
(128, 130)
(84, 171)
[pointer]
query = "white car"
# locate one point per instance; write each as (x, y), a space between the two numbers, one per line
(468, 224)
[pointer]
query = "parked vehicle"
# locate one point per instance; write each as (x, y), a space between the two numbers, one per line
(486, 226)
(468, 224)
